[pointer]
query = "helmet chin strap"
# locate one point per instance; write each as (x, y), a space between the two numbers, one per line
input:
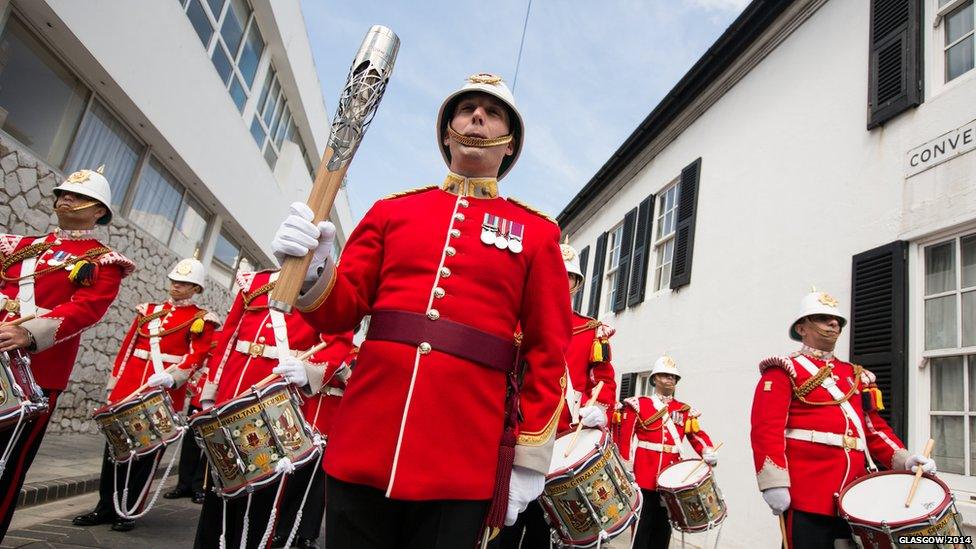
(479, 142)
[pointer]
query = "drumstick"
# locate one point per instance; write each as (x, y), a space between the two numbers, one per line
(918, 472)
(702, 462)
(302, 356)
(146, 384)
(579, 426)
(19, 321)
(782, 529)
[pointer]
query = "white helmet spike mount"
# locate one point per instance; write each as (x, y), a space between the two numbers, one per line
(93, 185)
(189, 270)
(817, 303)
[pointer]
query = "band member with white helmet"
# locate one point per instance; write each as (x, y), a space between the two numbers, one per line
(66, 281)
(166, 343)
(651, 433)
(802, 454)
(426, 448)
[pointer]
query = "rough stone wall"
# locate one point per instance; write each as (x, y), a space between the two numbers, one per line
(27, 209)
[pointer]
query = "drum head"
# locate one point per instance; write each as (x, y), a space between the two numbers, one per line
(881, 497)
(674, 475)
(589, 440)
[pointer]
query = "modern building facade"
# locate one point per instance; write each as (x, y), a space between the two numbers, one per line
(207, 115)
(817, 142)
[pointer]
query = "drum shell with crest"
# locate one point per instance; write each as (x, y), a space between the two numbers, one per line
(588, 491)
(691, 495)
(18, 390)
(247, 436)
(139, 425)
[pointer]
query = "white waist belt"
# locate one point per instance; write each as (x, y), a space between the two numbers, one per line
(830, 439)
(169, 359)
(256, 349)
(332, 391)
(665, 448)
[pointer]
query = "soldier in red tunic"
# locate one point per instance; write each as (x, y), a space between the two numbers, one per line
(165, 345)
(816, 428)
(254, 343)
(587, 364)
(420, 447)
(651, 433)
(67, 279)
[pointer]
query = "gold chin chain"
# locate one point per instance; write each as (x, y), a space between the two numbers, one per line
(478, 141)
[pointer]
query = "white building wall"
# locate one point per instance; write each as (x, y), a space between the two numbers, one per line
(792, 186)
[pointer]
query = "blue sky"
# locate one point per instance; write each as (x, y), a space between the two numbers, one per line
(590, 72)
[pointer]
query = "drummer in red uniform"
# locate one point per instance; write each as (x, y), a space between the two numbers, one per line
(67, 279)
(816, 428)
(419, 447)
(651, 433)
(255, 342)
(165, 345)
(587, 364)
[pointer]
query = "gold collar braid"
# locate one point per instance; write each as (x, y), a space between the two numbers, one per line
(478, 187)
(480, 142)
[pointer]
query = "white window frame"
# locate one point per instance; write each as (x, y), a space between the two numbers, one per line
(920, 377)
(935, 48)
(661, 241)
(615, 238)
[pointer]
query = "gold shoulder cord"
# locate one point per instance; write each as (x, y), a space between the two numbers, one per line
(38, 249)
(809, 385)
(644, 423)
(248, 298)
(166, 332)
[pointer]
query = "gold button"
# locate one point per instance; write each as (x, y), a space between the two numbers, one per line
(261, 339)
(455, 233)
(438, 292)
(433, 314)
(424, 348)
(459, 216)
(463, 203)
(445, 272)
(267, 325)
(450, 251)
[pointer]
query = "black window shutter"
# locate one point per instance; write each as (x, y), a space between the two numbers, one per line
(895, 59)
(879, 325)
(578, 296)
(642, 251)
(596, 281)
(628, 385)
(684, 237)
(623, 270)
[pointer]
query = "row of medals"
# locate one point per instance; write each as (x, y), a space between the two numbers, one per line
(502, 239)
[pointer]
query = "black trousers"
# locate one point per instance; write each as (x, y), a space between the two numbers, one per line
(530, 531)
(138, 478)
(654, 530)
(362, 517)
(193, 462)
(813, 530)
(20, 460)
(314, 509)
(211, 516)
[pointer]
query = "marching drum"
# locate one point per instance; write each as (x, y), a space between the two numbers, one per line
(246, 437)
(20, 397)
(588, 494)
(694, 503)
(874, 506)
(139, 425)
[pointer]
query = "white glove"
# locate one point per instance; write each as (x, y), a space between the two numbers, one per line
(778, 499)
(204, 404)
(162, 379)
(928, 464)
(710, 457)
(293, 370)
(526, 485)
(297, 236)
(593, 416)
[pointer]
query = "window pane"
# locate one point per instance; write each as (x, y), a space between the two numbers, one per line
(972, 445)
(157, 201)
(264, 90)
(191, 224)
(238, 94)
(968, 245)
(215, 7)
(226, 251)
(280, 134)
(940, 322)
(947, 384)
(233, 28)
(200, 22)
(41, 101)
(270, 156)
(958, 23)
(103, 140)
(269, 107)
(968, 319)
(959, 58)
(940, 268)
(257, 132)
(971, 365)
(253, 47)
(949, 440)
(221, 63)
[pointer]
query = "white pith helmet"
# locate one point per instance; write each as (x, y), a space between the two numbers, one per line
(492, 85)
(90, 183)
(189, 270)
(817, 303)
(665, 365)
(572, 262)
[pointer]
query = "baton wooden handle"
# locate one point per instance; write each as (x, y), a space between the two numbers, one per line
(579, 426)
(19, 321)
(918, 472)
(301, 356)
(700, 463)
(320, 200)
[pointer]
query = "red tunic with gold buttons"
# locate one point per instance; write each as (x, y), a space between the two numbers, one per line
(646, 439)
(586, 370)
(246, 349)
(64, 308)
(185, 332)
(424, 424)
(814, 471)
(320, 408)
